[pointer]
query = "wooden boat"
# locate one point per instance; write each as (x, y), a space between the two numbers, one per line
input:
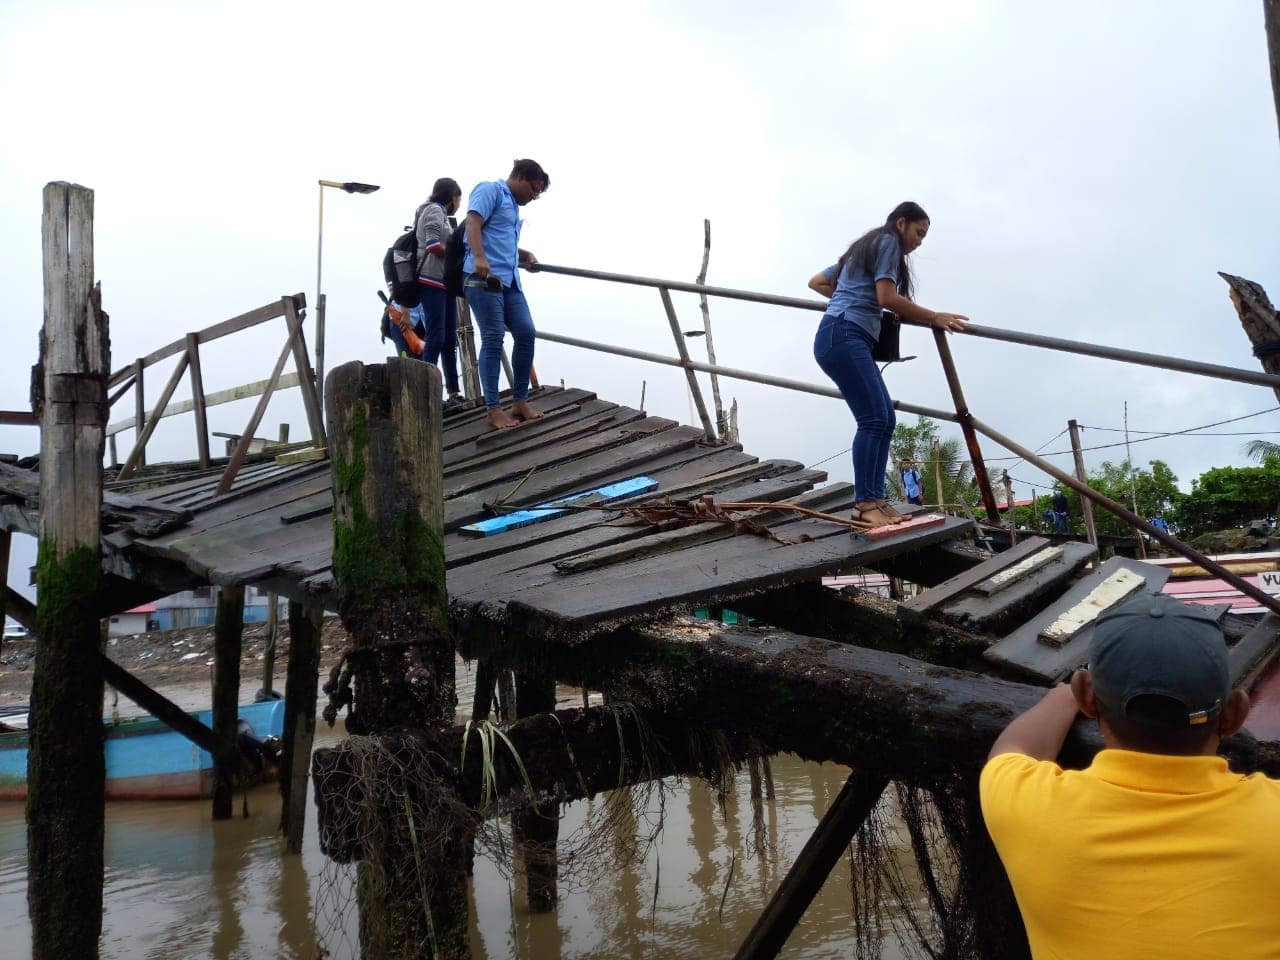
(148, 761)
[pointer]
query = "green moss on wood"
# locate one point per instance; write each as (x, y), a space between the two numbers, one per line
(405, 557)
(67, 589)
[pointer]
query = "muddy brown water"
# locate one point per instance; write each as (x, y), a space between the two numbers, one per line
(180, 886)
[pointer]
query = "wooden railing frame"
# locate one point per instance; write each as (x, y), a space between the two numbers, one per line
(187, 350)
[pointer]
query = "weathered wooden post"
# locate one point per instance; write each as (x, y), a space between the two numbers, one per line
(1086, 505)
(535, 830)
(66, 770)
(228, 635)
(299, 719)
(388, 569)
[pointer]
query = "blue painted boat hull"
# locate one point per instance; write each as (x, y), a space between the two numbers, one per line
(145, 759)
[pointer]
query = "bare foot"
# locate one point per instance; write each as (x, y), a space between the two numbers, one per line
(522, 411)
(499, 420)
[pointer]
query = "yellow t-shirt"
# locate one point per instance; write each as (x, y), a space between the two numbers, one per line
(1139, 856)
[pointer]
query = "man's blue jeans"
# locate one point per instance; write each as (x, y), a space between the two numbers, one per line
(496, 311)
(843, 351)
(438, 313)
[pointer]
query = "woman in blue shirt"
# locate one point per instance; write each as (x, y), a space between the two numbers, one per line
(871, 276)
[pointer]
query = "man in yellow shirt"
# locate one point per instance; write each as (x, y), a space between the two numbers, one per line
(1156, 850)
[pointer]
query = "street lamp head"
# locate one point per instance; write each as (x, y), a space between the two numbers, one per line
(350, 186)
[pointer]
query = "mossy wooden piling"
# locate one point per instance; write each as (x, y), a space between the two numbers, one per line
(66, 768)
(388, 568)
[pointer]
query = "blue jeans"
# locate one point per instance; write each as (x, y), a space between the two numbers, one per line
(843, 351)
(438, 313)
(495, 312)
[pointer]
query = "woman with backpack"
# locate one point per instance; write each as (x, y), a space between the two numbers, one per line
(438, 309)
(871, 276)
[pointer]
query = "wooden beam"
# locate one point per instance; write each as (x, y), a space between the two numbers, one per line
(857, 798)
(306, 376)
(929, 600)
(18, 418)
(138, 455)
(535, 831)
(172, 715)
(197, 400)
(228, 631)
(139, 408)
(20, 608)
(1254, 652)
(246, 438)
(254, 317)
(305, 626)
(230, 395)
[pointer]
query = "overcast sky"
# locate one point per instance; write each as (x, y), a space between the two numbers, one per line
(1088, 168)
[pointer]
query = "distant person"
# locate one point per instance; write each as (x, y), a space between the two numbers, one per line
(1061, 512)
(871, 276)
(492, 284)
(1156, 849)
(911, 483)
(437, 311)
(1159, 522)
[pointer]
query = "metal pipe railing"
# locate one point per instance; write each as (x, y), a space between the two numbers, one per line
(1197, 367)
(962, 416)
(1127, 515)
(733, 373)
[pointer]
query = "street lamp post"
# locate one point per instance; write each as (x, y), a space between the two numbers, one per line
(349, 187)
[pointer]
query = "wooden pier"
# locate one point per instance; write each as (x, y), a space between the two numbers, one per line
(575, 547)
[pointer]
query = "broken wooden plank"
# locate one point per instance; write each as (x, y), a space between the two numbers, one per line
(717, 469)
(1023, 651)
(543, 457)
(1010, 606)
(1011, 575)
(1254, 652)
(929, 600)
(645, 455)
(305, 455)
(1109, 593)
(666, 540)
(535, 562)
(715, 572)
(554, 508)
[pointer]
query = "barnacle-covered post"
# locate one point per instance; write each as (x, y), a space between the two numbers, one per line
(388, 570)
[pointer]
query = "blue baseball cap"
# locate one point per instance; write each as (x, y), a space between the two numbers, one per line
(1156, 646)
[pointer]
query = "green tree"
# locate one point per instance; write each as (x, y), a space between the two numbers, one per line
(1226, 497)
(922, 443)
(1156, 491)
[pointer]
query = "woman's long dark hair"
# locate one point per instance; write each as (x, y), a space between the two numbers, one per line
(863, 250)
(445, 189)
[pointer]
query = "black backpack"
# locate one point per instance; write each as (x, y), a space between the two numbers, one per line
(455, 252)
(400, 268)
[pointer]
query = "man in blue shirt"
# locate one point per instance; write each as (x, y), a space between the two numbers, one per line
(492, 284)
(911, 483)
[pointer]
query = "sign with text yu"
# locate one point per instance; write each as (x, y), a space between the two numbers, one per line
(1269, 580)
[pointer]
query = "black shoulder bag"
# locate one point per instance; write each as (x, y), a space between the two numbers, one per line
(886, 348)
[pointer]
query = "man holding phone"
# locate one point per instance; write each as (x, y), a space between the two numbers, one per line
(492, 285)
